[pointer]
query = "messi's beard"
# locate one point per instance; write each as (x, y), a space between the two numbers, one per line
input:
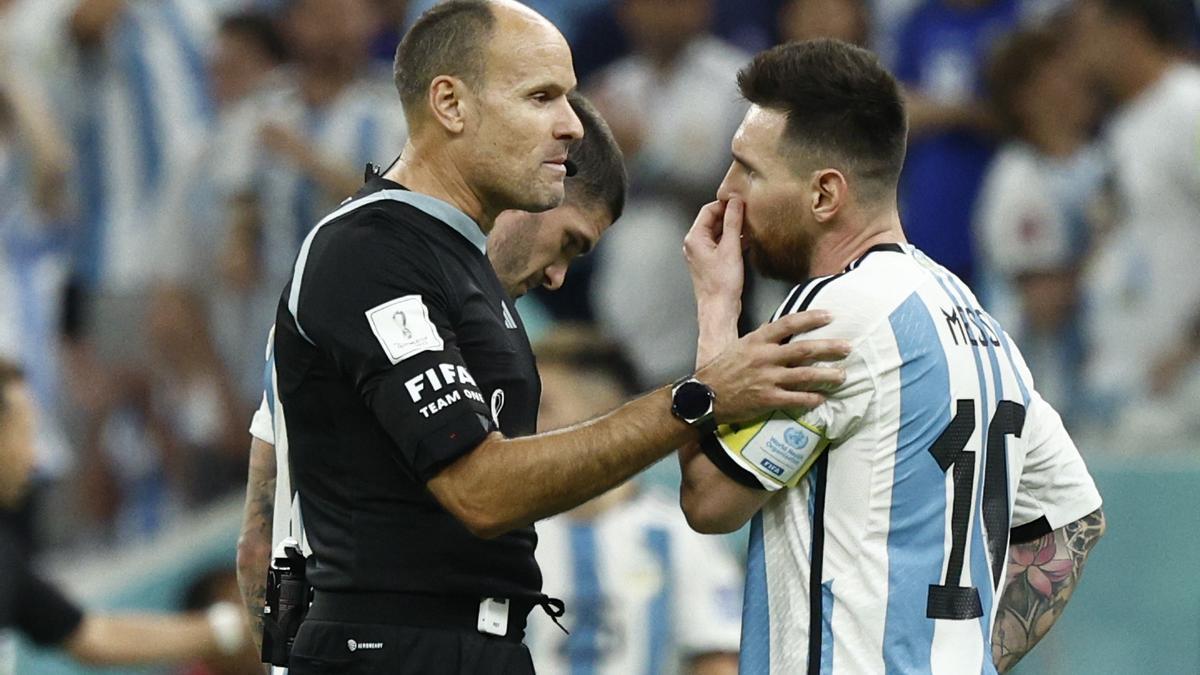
(786, 259)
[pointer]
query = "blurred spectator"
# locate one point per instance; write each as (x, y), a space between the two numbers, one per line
(34, 161)
(219, 585)
(941, 52)
(197, 416)
(1144, 276)
(568, 15)
(846, 20)
(390, 22)
(244, 69)
(673, 105)
(142, 114)
(138, 109)
(43, 614)
(332, 116)
(644, 593)
(1032, 220)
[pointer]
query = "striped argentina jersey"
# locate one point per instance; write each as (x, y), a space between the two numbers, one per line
(889, 555)
(147, 116)
(644, 593)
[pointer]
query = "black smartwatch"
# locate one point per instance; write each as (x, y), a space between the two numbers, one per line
(692, 401)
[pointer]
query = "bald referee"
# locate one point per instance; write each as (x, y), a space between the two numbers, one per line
(406, 388)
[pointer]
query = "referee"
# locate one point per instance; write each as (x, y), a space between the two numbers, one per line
(404, 375)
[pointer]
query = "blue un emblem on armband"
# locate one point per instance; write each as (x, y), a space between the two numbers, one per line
(795, 438)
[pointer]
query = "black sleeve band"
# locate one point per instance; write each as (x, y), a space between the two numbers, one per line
(1023, 534)
(713, 450)
(45, 615)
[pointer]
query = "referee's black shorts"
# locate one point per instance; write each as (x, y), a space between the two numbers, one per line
(327, 647)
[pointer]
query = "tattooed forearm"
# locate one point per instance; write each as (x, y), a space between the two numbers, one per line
(1042, 575)
(254, 543)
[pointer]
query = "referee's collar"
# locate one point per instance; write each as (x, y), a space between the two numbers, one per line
(442, 211)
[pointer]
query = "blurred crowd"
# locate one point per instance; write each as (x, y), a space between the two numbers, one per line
(161, 160)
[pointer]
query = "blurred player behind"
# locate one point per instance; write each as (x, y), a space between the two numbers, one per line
(645, 593)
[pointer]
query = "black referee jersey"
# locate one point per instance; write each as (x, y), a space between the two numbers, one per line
(397, 351)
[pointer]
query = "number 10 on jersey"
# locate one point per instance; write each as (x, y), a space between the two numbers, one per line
(948, 600)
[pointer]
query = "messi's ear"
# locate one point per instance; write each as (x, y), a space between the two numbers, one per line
(829, 194)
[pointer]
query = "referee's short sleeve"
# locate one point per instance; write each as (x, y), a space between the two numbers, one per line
(378, 300)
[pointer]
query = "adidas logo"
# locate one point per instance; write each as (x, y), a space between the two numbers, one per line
(509, 323)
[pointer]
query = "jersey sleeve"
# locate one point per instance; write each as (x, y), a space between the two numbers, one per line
(261, 426)
(382, 306)
(775, 451)
(1054, 482)
(708, 595)
(44, 614)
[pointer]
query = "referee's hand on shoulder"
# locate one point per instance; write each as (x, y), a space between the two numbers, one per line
(762, 371)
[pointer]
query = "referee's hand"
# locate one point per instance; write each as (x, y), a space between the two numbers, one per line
(762, 372)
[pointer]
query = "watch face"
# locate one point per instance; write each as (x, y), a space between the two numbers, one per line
(692, 400)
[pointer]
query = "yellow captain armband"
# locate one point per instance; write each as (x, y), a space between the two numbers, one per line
(779, 448)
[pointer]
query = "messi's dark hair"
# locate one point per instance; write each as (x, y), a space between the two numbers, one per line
(840, 102)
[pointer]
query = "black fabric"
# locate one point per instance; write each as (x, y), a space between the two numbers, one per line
(365, 435)
(324, 647)
(1032, 531)
(714, 452)
(816, 604)
(27, 602)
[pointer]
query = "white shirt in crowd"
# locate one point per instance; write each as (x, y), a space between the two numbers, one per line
(1144, 277)
(1033, 216)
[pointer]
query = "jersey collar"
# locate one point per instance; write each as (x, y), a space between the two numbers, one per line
(442, 211)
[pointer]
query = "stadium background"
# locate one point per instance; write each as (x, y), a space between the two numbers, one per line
(173, 155)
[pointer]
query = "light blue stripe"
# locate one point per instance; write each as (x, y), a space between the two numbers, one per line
(88, 246)
(755, 656)
(981, 573)
(583, 644)
(917, 532)
(827, 627)
(145, 120)
(193, 57)
(1007, 344)
(659, 614)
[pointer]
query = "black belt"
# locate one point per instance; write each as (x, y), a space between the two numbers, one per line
(418, 610)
